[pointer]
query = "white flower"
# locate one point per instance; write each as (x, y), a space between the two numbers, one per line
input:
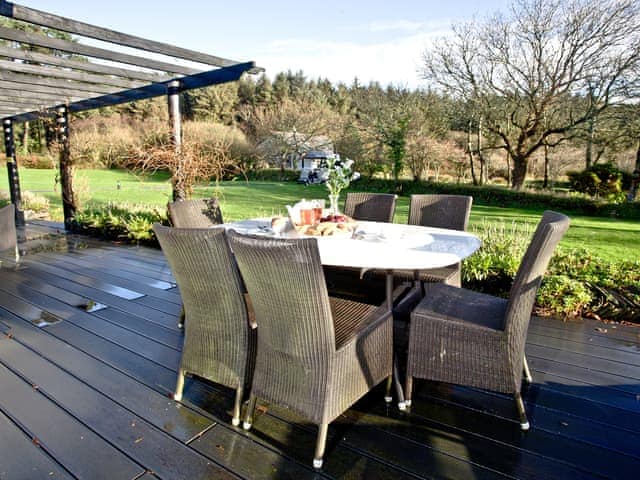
(339, 174)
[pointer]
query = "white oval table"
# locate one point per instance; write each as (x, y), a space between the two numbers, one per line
(382, 246)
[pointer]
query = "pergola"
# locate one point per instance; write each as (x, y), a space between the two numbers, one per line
(36, 84)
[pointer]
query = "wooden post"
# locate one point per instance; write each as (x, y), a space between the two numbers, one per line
(175, 120)
(66, 168)
(12, 170)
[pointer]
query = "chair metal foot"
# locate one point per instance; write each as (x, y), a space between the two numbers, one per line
(248, 418)
(527, 373)
(321, 442)
(524, 422)
(177, 396)
(387, 393)
(235, 420)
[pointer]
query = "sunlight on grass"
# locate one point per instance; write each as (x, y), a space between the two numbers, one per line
(606, 237)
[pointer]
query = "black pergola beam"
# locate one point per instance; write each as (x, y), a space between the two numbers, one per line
(212, 77)
(90, 88)
(89, 51)
(45, 19)
(35, 57)
(40, 71)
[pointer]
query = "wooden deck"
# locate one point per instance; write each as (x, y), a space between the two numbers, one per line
(85, 395)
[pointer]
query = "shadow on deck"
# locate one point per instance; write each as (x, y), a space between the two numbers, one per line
(85, 395)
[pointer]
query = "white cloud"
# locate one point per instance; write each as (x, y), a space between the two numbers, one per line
(393, 62)
(403, 26)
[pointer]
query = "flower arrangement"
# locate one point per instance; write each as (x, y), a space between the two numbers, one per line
(339, 174)
(338, 178)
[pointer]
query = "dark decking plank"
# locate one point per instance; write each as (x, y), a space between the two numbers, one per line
(585, 361)
(582, 380)
(150, 373)
(441, 436)
(591, 327)
(611, 344)
(94, 267)
(572, 417)
(182, 423)
(124, 267)
(172, 338)
(576, 454)
(124, 430)
(143, 346)
(62, 436)
(163, 319)
(366, 457)
(86, 280)
(20, 458)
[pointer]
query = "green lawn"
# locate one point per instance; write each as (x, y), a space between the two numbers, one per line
(609, 238)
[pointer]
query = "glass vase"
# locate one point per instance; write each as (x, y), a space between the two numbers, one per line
(334, 207)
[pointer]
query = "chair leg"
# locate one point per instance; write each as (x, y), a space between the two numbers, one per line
(177, 396)
(524, 423)
(181, 320)
(321, 442)
(235, 421)
(527, 373)
(408, 390)
(248, 418)
(387, 394)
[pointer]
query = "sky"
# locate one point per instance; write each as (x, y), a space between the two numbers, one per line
(372, 40)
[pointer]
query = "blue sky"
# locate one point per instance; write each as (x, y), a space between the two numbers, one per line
(337, 39)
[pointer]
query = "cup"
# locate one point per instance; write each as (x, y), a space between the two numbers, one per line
(318, 208)
(306, 215)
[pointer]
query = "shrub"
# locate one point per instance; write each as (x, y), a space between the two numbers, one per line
(599, 180)
(123, 222)
(576, 283)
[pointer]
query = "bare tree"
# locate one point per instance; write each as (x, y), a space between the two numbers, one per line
(199, 160)
(536, 74)
(291, 126)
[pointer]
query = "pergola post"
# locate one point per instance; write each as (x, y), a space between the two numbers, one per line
(12, 170)
(66, 172)
(175, 119)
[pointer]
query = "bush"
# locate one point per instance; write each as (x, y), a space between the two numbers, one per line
(494, 195)
(576, 282)
(122, 222)
(600, 180)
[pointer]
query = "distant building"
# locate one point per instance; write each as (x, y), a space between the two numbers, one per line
(295, 150)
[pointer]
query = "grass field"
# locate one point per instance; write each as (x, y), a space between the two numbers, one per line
(606, 237)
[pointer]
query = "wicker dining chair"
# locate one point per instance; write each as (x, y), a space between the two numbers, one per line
(219, 340)
(8, 235)
(468, 338)
(317, 355)
(195, 213)
(372, 207)
(439, 211)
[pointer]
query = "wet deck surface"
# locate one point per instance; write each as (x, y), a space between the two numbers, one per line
(85, 394)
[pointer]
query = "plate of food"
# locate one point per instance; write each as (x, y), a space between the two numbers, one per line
(328, 229)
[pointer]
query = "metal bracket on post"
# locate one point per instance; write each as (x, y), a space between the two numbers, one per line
(66, 176)
(12, 170)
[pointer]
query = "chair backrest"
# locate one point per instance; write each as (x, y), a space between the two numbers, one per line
(525, 286)
(8, 236)
(196, 213)
(286, 284)
(440, 211)
(372, 207)
(217, 326)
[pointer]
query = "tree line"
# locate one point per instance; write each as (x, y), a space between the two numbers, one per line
(542, 74)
